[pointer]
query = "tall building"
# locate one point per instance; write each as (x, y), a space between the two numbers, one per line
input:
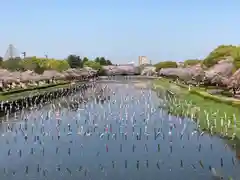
(142, 60)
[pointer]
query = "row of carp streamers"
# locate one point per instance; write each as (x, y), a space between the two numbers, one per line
(124, 120)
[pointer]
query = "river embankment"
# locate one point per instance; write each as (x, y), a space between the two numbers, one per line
(209, 112)
(128, 136)
(23, 99)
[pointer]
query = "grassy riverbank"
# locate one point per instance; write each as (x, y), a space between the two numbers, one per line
(19, 93)
(210, 112)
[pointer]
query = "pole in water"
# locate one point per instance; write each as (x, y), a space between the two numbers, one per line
(140, 134)
(221, 162)
(5, 171)
(147, 163)
(137, 164)
(193, 166)
(32, 151)
(44, 172)
(58, 167)
(125, 163)
(146, 148)
(201, 164)
(199, 147)
(106, 148)
(9, 152)
(171, 148)
(233, 161)
(158, 166)
(181, 164)
(69, 171)
(26, 170)
(20, 153)
(38, 168)
(120, 147)
(133, 148)
(210, 168)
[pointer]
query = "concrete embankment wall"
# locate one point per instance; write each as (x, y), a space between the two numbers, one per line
(41, 98)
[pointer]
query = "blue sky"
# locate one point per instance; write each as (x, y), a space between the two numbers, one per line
(119, 30)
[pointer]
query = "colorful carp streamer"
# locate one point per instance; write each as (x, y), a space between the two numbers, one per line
(117, 130)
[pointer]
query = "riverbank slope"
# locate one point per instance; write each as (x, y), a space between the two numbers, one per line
(211, 115)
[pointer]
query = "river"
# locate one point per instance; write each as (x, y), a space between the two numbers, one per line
(125, 136)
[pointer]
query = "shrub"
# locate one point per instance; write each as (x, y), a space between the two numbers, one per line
(165, 64)
(220, 53)
(216, 98)
(13, 65)
(191, 62)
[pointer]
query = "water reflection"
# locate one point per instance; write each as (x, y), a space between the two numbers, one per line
(238, 151)
(121, 134)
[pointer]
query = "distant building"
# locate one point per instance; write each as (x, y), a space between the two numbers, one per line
(180, 64)
(128, 64)
(142, 60)
(131, 63)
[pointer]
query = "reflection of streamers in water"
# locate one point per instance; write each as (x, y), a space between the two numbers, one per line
(129, 125)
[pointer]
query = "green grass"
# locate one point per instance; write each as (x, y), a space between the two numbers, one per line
(19, 90)
(17, 94)
(202, 106)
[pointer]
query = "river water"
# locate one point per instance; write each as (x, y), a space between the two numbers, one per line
(125, 136)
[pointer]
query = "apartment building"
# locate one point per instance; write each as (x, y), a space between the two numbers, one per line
(142, 60)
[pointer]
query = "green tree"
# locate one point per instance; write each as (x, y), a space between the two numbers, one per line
(58, 65)
(108, 62)
(191, 62)
(38, 69)
(220, 53)
(62, 65)
(96, 66)
(34, 63)
(97, 59)
(1, 61)
(85, 59)
(237, 60)
(29, 63)
(93, 64)
(102, 61)
(74, 61)
(13, 65)
(165, 64)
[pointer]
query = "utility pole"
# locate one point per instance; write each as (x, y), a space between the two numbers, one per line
(10, 51)
(24, 55)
